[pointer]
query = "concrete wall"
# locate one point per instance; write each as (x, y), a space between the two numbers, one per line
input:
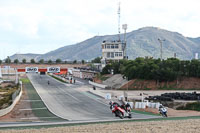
(97, 85)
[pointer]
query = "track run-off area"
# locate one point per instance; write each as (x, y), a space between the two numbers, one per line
(70, 104)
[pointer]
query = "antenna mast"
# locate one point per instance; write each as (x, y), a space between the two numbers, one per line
(119, 21)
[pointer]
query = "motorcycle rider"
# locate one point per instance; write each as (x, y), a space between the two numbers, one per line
(163, 110)
(112, 105)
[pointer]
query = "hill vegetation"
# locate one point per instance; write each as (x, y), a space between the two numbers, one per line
(155, 69)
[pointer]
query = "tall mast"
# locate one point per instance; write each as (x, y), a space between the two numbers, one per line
(119, 21)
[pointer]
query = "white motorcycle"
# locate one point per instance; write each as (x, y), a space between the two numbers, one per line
(163, 111)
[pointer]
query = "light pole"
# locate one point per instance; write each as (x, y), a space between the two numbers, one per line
(161, 52)
(124, 27)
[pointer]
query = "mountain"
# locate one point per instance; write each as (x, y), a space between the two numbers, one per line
(28, 57)
(140, 43)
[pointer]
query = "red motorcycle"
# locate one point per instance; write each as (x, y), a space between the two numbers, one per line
(121, 111)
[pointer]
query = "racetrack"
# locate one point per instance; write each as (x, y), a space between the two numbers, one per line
(68, 103)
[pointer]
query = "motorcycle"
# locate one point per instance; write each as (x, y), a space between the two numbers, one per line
(163, 111)
(121, 111)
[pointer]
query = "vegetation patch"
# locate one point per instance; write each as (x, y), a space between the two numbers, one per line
(190, 106)
(6, 95)
(58, 78)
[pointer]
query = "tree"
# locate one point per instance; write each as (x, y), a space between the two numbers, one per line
(32, 61)
(8, 60)
(58, 61)
(24, 61)
(97, 60)
(83, 62)
(49, 61)
(0, 61)
(75, 61)
(41, 61)
(16, 61)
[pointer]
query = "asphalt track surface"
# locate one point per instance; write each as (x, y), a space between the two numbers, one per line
(65, 102)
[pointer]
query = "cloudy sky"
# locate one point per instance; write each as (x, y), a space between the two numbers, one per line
(39, 26)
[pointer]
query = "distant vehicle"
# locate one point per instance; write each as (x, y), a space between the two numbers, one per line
(121, 111)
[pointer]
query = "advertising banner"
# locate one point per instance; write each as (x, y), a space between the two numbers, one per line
(31, 69)
(53, 69)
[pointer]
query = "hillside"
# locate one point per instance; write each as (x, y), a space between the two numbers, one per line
(28, 57)
(140, 43)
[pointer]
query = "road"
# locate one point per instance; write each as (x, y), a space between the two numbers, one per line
(68, 103)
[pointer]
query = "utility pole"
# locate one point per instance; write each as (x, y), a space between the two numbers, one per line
(124, 26)
(161, 51)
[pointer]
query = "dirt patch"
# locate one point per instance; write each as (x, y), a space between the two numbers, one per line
(172, 112)
(44, 65)
(165, 126)
(183, 83)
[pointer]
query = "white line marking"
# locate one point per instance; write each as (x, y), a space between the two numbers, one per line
(28, 118)
(31, 100)
(32, 109)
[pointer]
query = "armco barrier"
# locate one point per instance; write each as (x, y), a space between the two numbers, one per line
(10, 108)
(97, 85)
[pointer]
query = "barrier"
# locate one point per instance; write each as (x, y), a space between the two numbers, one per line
(15, 100)
(97, 85)
(143, 105)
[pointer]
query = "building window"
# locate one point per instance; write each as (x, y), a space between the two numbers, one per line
(120, 53)
(116, 46)
(116, 54)
(108, 46)
(112, 46)
(108, 55)
(112, 54)
(102, 46)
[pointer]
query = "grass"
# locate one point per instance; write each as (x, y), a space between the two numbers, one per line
(58, 79)
(190, 106)
(25, 80)
(33, 95)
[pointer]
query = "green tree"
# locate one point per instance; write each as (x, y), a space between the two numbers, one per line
(75, 61)
(8, 60)
(96, 60)
(16, 61)
(24, 61)
(58, 61)
(32, 61)
(41, 61)
(83, 62)
(0, 61)
(49, 61)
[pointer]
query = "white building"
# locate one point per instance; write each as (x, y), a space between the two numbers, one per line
(112, 50)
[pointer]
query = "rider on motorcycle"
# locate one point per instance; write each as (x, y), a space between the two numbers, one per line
(163, 110)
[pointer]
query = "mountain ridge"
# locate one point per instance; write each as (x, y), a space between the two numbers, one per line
(140, 43)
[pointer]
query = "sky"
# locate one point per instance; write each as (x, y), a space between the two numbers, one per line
(40, 26)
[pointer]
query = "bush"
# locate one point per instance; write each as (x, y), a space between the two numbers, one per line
(190, 106)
